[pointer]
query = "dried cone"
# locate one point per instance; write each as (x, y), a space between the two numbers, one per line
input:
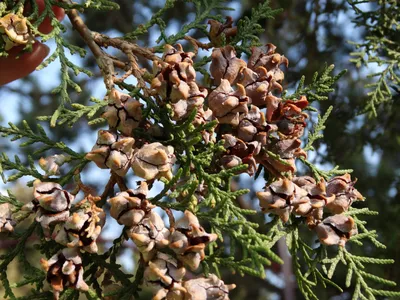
(176, 55)
(210, 288)
(220, 32)
(65, 270)
(258, 85)
(342, 187)
(288, 116)
(6, 221)
(112, 151)
(153, 161)
(173, 75)
(174, 82)
(227, 105)
(239, 152)
(281, 197)
(188, 240)
(316, 193)
(164, 276)
(52, 164)
(150, 233)
(83, 227)
(123, 112)
(270, 60)
(15, 31)
(203, 117)
(51, 204)
(336, 230)
(168, 84)
(281, 156)
(195, 100)
(130, 207)
(253, 127)
(225, 65)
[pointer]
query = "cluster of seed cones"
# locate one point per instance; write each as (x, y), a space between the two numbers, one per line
(185, 240)
(78, 226)
(257, 128)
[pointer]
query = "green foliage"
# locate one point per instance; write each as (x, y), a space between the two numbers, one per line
(156, 19)
(312, 137)
(205, 10)
(314, 266)
(318, 174)
(10, 199)
(32, 138)
(249, 28)
(17, 252)
(70, 117)
(105, 5)
(35, 137)
(318, 128)
(380, 49)
(66, 67)
(319, 87)
(307, 263)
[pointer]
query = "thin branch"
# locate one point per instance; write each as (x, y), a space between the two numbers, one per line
(197, 44)
(124, 46)
(85, 33)
(121, 182)
(105, 63)
(108, 188)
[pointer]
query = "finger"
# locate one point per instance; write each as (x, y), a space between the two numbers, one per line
(45, 27)
(12, 68)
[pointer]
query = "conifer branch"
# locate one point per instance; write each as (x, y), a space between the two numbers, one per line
(162, 129)
(319, 87)
(379, 47)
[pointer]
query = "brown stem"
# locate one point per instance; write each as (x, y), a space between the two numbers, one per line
(105, 63)
(124, 46)
(80, 186)
(121, 182)
(85, 33)
(87, 190)
(108, 188)
(123, 77)
(197, 44)
(171, 219)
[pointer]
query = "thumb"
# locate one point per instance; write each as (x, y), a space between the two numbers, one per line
(12, 68)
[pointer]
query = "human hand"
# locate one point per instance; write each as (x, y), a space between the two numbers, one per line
(11, 67)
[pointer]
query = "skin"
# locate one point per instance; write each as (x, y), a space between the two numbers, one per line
(13, 67)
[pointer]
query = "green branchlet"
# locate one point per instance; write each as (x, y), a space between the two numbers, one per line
(380, 48)
(46, 144)
(319, 88)
(249, 28)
